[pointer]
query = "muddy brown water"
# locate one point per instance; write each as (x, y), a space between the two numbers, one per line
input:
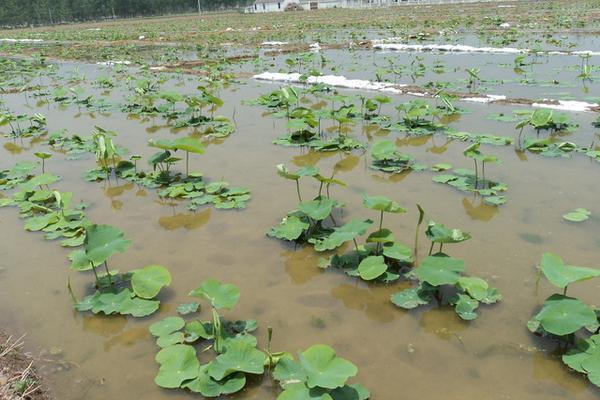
(422, 354)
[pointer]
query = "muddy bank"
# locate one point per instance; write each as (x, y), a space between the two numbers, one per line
(18, 375)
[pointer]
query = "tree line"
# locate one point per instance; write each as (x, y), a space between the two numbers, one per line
(15, 13)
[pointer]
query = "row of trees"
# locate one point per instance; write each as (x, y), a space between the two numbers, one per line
(40, 12)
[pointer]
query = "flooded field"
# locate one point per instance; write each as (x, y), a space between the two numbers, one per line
(416, 136)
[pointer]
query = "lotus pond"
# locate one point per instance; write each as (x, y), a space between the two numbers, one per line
(352, 214)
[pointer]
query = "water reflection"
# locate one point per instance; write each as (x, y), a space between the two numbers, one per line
(374, 301)
(301, 265)
(478, 210)
(443, 323)
(188, 221)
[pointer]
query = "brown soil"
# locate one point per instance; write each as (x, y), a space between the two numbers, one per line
(18, 377)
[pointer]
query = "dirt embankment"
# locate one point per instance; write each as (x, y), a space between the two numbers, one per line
(18, 377)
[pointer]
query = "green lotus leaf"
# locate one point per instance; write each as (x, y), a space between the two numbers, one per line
(285, 173)
(465, 307)
(138, 308)
(40, 222)
(381, 236)
(42, 155)
(198, 329)
(102, 241)
(324, 368)
(299, 391)
(148, 281)
(188, 308)
(477, 288)
(413, 297)
(372, 267)
(383, 149)
(562, 315)
(351, 392)
(318, 209)
(208, 387)
(398, 251)
(440, 270)
(189, 144)
(288, 372)
(178, 363)
(240, 356)
(577, 215)
(291, 228)
(39, 180)
(344, 233)
(170, 339)
(585, 358)
(439, 233)
(561, 275)
(382, 203)
(79, 261)
(220, 295)
(166, 326)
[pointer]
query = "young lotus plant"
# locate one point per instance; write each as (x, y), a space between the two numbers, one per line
(440, 274)
(563, 317)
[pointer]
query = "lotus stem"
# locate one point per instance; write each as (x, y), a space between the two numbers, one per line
(320, 189)
(355, 245)
(441, 246)
(187, 163)
(43, 166)
(476, 177)
(108, 273)
(95, 274)
(298, 190)
(483, 173)
(431, 248)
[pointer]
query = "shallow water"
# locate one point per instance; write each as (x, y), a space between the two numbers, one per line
(399, 353)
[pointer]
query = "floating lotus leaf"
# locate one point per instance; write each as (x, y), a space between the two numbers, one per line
(166, 326)
(188, 308)
(208, 387)
(170, 339)
(351, 392)
(102, 241)
(220, 295)
(148, 281)
(439, 233)
(413, 297)
(324, 369)
(39, 180)
(372, 267)
(344, 233)
(382, 203)
(40, 222)
(465, 307)
(440, 270)
(577, 215)
(561, 275)
(586, 358)
(299, 391)
(178, 363)
(477, 288)
(240, 356)
(318, 209)
(122, 302)
(198, 329)
(288, 372)
(562, 315)
(291, 228)
(398, 251)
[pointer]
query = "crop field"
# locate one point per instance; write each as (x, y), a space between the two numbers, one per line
(345, 204)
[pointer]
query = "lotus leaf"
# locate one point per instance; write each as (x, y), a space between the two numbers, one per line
(372, 267)
(440, 270)
(561, 275)
(221, 295)
(324, 368)
(562, 315)
(178, 363)
(148, 281)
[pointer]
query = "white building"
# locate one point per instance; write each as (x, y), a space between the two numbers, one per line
(293, 5)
